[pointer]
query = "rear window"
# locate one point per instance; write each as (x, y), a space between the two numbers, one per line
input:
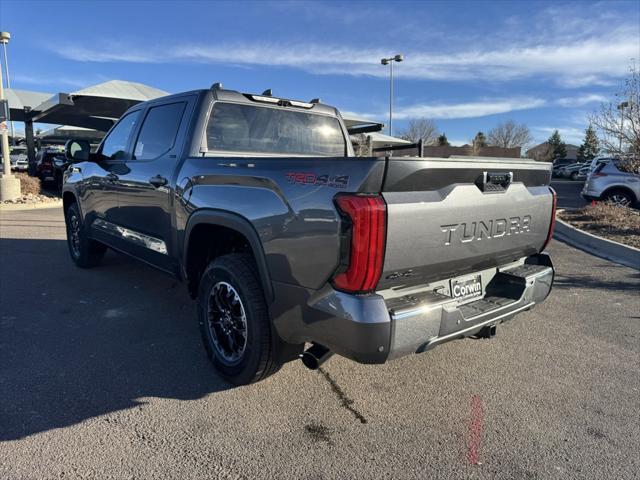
(256, 129)
(628, 165)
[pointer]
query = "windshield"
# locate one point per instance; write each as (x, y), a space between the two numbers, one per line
(257, 129)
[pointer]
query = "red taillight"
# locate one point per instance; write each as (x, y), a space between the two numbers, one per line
(598, 174)
(552, 226)
(368, 216)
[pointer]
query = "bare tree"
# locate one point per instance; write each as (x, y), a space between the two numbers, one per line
(423, 129)
(362, 145)
(618, 121)
(509, 135)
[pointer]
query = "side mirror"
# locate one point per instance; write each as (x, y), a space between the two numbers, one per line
(77, 150)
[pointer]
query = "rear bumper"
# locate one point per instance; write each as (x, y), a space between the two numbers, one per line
(370, 329)
(436, 319)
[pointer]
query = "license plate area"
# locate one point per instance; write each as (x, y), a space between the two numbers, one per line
(467, 287)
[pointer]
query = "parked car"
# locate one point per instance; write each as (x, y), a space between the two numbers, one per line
(570, 171)
(18, 158)
(609, 182)
(596, 161)
(559, 164)
(283, 237)
(50, 166)
(583, 173)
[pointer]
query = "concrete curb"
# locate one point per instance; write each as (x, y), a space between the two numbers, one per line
(29, 206)
(598, 246)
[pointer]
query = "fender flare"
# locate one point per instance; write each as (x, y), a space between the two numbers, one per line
(71, 191)
(240, 224)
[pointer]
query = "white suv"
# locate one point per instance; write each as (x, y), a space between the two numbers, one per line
(607, 182)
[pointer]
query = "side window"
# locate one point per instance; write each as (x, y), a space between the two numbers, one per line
(159, 130)
(114, 146)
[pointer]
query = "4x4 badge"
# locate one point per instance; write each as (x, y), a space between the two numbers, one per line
(325, 180)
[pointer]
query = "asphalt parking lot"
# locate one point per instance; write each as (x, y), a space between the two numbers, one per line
(569, 193)
(102, 375)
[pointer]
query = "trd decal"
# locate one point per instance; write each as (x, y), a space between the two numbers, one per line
(335, 181)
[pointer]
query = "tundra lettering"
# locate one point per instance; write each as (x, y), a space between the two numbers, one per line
(468, 232)
(283, 238)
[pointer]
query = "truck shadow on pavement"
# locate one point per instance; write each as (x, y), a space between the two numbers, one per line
(76, 344)
(589, 282)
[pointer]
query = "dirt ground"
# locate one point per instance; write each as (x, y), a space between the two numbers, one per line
(615, 223)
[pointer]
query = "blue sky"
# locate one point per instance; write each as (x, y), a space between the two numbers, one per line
(468, 65)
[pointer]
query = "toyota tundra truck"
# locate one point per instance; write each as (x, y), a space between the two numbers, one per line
(287, 241)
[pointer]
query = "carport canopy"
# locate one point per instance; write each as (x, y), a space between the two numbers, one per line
(21, 99)
(95, 107)
(62, 134)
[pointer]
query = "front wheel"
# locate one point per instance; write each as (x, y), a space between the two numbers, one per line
(234, 320)
(85, 252)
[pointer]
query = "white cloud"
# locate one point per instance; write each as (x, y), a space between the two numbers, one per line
(581, 100)
(56, 80)
(468, 109)
(473, 109)
(596, 60)
(571, 135)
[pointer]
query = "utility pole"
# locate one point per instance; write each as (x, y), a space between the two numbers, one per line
(6, 69)
(9, 185)
(389, 61)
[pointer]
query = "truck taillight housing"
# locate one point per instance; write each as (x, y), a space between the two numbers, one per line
(552, 225)
(366, 219)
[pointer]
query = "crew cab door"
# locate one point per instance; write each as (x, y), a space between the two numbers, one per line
(98, 189)
(144, 188)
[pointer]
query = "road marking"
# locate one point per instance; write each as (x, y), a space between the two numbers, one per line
(475, 429)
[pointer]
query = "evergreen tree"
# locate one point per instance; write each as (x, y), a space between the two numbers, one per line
(590, 146)
(480, 140)
(442, 140)
(558, 147)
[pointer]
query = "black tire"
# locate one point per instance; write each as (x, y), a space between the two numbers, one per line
(574, 176)
(620, 197)
(85, 252)
(228, 280)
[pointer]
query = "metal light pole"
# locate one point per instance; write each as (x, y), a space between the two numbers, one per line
(389, 61)
(4, 39)
(9, 185)
(621, 107)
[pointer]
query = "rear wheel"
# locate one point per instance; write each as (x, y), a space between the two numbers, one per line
(234, 320)
(85, 252)
(574, 176)
(620, 198)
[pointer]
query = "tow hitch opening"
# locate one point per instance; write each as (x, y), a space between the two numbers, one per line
(487, 332)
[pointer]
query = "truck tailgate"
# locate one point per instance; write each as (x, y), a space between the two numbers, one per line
(450, 217)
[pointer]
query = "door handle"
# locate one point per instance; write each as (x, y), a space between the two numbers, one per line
(158, 181)
(112, 177)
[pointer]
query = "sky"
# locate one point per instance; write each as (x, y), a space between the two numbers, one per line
(468, 65)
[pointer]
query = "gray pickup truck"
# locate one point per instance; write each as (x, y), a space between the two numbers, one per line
(284, 237)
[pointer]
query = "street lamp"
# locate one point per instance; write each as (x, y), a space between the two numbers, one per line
(9, 185)
(4, 40)
(621, 107)
(389, 61)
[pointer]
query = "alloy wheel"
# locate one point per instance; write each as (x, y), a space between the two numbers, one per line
(227, 323)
